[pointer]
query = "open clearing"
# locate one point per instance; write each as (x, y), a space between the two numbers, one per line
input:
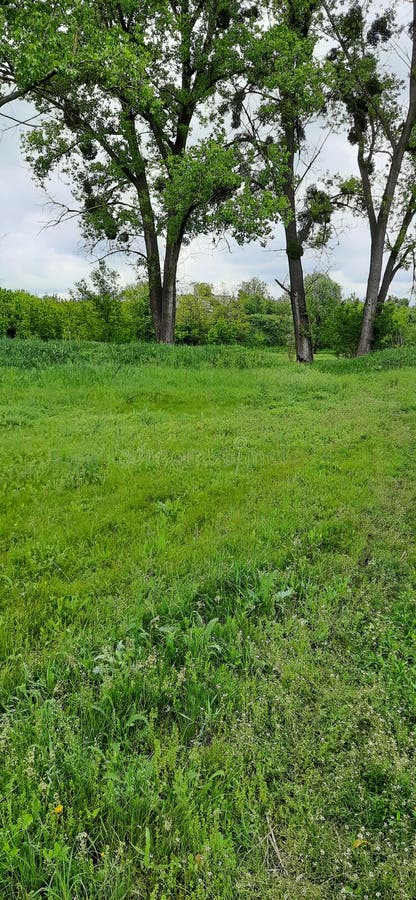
(208, 622)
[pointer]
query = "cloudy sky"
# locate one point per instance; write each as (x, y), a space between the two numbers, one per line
(50, 260)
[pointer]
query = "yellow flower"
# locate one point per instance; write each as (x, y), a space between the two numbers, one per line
(59, 809)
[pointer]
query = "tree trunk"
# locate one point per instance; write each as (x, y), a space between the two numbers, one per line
(377, 286)
(388, 276)
(395, 260)
(294, 251)
(303, 340)
(366, 341)
(168, 305)
(301, 324)
(152, 246)
(155, 296)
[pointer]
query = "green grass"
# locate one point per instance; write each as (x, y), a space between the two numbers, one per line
(208, 624)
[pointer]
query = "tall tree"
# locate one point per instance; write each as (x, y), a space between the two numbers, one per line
(289, 93)
(381, 114)
(130, 116)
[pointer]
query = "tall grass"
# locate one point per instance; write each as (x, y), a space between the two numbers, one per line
(38, 354)
(207, 580)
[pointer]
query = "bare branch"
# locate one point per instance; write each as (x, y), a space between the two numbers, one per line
(282, 286)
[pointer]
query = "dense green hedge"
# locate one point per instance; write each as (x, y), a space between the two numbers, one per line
(250, 318)
(49, 318)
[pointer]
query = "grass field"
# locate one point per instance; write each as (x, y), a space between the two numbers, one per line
(208, 624)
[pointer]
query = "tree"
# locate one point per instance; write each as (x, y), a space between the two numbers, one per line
(289, 87)
(323, 297)
(194, 314)
(382, 126)
(104, 296)
(134, 83)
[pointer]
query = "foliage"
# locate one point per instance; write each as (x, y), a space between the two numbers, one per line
(207, 641)
(133, 86)
(121, 315)
(396, 325)
(105, 312)
(22, 315)
(104, 296)
(88, 316)
(323, 296)
(379, 111)
(194, 315)
(136, 296)
(347, 327)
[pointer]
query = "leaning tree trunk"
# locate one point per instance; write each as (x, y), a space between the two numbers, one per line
(396, 257)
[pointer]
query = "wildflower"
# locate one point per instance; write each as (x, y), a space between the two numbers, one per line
(58, 810)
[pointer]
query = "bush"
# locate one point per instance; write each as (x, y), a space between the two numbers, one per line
(323, 299)
(22, 315)
(275, 329)
(192, 319)
(395, 326)
(346, 327)
(224, 332)
(115, 318)
(106, 313)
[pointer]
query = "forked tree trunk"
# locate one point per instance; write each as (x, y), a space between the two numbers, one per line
(163, 295)
(397, 257)
(398, 140)
(378, 285)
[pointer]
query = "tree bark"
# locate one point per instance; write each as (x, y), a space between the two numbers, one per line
(397, 255)
(366, 341)
(303, 340)
(377, 286)
(168, 304)
(294, 251)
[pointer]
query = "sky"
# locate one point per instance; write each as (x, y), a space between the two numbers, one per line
(50, 260)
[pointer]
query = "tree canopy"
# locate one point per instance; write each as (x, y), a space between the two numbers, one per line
(174, 118)
(129, 115)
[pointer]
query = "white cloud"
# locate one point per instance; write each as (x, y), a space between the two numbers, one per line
(51, 260)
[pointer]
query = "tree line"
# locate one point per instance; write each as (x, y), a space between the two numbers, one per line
(104, 311)
(175, 118)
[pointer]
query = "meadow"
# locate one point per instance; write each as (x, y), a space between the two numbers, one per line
(207, 578)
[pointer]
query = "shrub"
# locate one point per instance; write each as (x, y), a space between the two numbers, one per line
(23, 315)
(347, 321)
(192, 319)
(395, 326)
(323, 298)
